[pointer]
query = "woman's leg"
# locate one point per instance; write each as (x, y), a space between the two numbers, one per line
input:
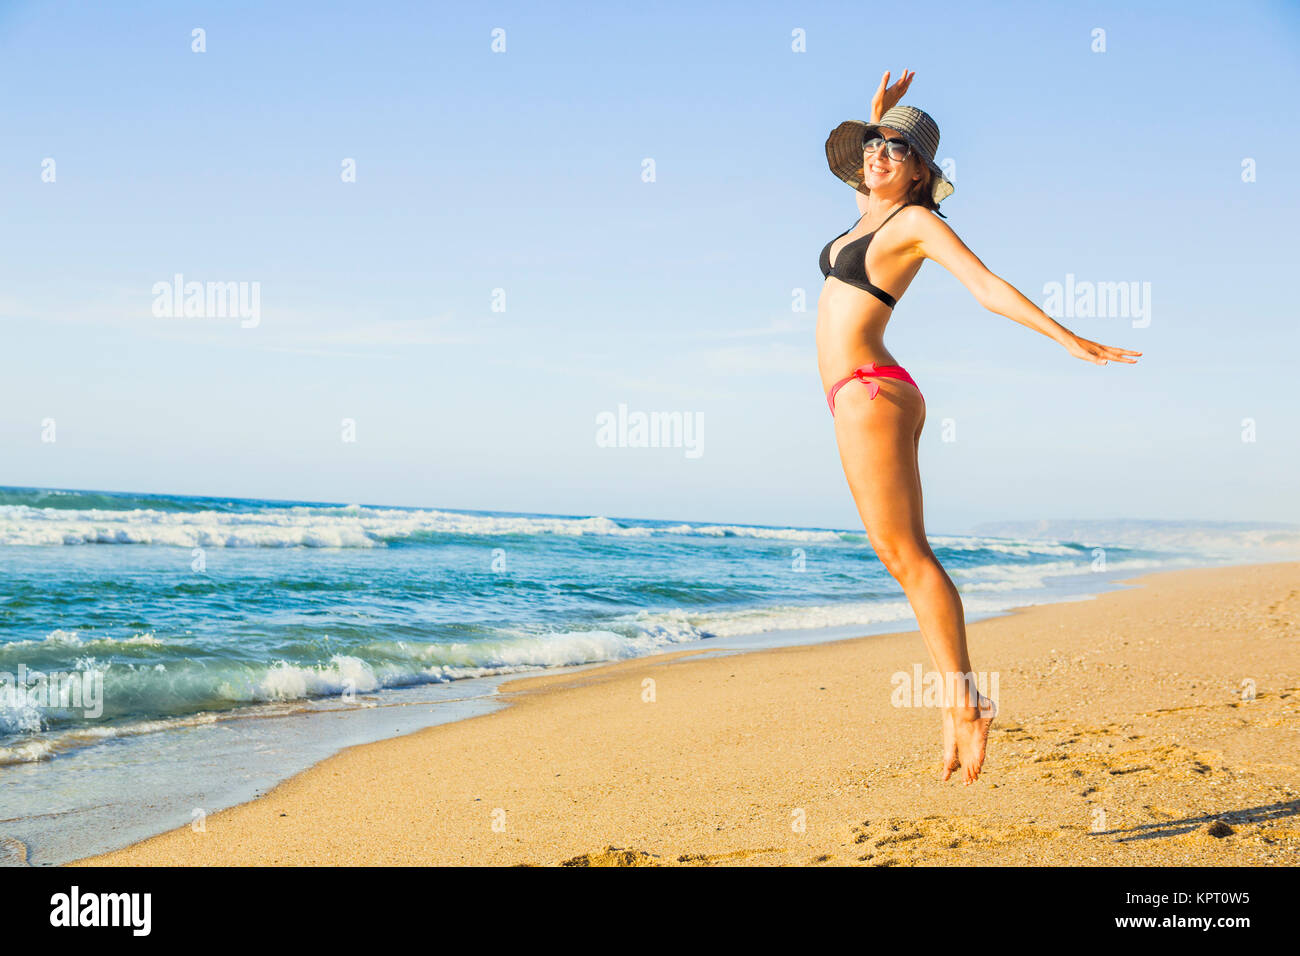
(879, 442)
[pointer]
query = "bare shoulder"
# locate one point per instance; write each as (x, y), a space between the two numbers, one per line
(919, 219)
(926, 230)
(915, 226)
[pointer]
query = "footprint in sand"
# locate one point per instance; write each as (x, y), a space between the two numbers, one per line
(613, 856)
(12, 852)
(896, 841)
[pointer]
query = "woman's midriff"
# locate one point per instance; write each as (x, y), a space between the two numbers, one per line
(850, 331)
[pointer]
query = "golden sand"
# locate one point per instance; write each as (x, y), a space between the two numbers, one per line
(1125, 736)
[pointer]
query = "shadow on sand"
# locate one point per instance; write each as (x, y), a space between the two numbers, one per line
(1233, 818)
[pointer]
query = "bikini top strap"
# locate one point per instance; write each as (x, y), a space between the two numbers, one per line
(850, 229)
(890, 216)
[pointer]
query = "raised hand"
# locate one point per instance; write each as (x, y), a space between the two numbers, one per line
(1097, 353)
(887, 96)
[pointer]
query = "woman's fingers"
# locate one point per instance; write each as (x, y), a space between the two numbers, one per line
(1120, 355)
(895, 92)
(1101, 354)
(887, 96)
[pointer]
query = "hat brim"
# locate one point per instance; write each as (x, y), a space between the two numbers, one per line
(844, 156)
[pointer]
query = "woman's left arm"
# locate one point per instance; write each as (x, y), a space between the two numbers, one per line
(936, 240)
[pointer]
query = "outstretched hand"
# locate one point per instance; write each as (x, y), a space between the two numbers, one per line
(887, 96)
(1097, 353)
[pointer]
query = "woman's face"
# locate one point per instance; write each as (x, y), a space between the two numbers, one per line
(880, 173)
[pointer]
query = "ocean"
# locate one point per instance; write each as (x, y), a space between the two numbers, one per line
(190, 652)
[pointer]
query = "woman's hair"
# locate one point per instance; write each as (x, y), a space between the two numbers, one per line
(921, 193)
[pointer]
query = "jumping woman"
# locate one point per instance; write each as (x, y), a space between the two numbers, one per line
(890, 162)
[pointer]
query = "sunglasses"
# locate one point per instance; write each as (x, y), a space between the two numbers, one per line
(896, 149)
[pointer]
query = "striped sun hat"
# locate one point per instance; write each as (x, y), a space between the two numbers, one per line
(844, 146)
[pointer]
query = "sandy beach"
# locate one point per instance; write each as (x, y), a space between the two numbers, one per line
(1126, 736)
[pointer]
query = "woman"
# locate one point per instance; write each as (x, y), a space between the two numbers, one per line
(890, 162)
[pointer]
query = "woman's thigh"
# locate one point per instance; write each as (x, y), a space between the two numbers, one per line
(879, 441)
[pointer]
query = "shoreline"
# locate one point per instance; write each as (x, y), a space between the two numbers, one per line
(221, 760)
(580, 761)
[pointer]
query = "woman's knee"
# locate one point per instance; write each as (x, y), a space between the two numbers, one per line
(905, 559)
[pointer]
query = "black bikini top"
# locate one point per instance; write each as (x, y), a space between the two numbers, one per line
(854, 270)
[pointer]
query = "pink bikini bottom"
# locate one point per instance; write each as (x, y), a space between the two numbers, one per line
(866, 372)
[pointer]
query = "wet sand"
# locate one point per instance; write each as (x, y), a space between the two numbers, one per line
(1125, 736)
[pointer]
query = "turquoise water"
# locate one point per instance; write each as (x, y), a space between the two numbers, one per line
(189, 608)
(165, 654)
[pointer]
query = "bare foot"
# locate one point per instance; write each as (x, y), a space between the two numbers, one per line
(950, 761)
(971, 733)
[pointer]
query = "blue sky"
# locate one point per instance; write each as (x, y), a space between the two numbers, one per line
(522, 171)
